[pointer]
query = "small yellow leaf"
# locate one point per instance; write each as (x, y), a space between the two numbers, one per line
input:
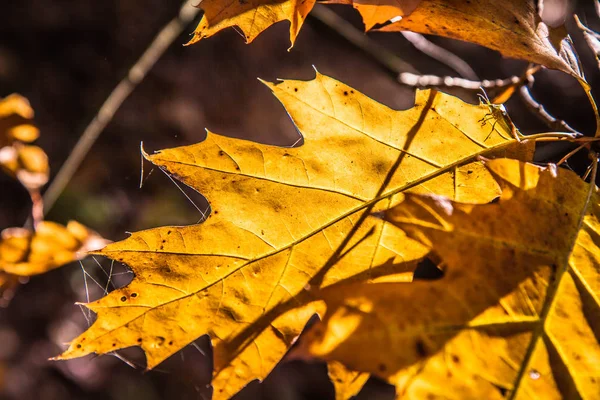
(375, 12)
(516, 311)
(347, 383)
(15, 120)
(26, 253)
(286, 222)
(251, 16)
(27, 163)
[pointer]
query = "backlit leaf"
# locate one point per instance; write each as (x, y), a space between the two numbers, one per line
(27, 163)
(286, 222)
(15, 120)
(251, 16)
(27, 253)
(347, 383)
(517, 312)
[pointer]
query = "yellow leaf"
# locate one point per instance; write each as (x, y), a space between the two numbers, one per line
(26, 253)
(15, 120)
(516, 313)
(375, 12)
(285, 222)
(251, 16)
(347, 383)
(29, 164)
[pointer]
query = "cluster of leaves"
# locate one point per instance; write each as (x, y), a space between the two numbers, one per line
(338, 225)
(47, 245)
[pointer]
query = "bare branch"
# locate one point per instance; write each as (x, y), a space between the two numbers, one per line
(428, 81)
(105, 114)
(441, 55)
(361, 40)
(539, 110)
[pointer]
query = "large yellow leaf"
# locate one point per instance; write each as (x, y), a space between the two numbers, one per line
(517, 312)
(251, 16)
(285, 222)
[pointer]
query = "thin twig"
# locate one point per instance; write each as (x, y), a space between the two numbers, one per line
(425, 81)
(433, 81)
(361, 40)
(105, 114)
(37, 208)
(591, 38)
(441, 55)
(572, 153)
(539, 110)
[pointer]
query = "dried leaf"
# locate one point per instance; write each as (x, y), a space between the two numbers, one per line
(28, 164)
(251, 16)
(26, 253)
(15, 120)
(347, 383)
(516, 312)
(375, 12)
(512, 27)
(591, 38)
(285, 222)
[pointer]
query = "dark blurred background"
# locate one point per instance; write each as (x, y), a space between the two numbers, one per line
(66, 57)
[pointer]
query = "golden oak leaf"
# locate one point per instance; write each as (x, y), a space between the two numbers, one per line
(27, 253)
(15, 120)
(285, 222)
(516, 312)
(251, 16)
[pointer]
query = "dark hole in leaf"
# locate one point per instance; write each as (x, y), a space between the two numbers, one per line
(503, 391)
(427, 269)
(420, 348)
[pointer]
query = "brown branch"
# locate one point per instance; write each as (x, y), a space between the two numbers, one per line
(105, 114)
(431, 81)
(538, 110)
(440, 54)
(361, 40)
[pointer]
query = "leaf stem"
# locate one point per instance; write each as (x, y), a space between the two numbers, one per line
(555, 136)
